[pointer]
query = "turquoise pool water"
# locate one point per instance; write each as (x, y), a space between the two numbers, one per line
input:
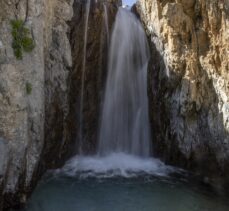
(87, 184)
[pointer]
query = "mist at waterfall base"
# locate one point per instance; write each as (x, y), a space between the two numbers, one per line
(122, 176)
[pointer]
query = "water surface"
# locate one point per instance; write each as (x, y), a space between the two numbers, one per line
(108, 184)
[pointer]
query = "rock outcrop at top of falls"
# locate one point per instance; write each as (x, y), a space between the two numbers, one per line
(189, 82)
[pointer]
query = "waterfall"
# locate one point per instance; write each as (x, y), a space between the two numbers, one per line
(106, 23)
(124, 121)
(124, 136)
(88, 6)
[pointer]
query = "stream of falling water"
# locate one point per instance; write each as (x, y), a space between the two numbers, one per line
(124, 137)
(106, 23)
(88, 6)
(125, 122)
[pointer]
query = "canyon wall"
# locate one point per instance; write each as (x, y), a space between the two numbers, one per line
(189, 83)
(33, 94)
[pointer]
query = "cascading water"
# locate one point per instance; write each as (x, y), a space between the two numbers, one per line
(124, 122)
(106, 23)
(124, 137)
(88, 6)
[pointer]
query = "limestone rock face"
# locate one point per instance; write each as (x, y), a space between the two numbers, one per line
(31, 121)
(189, 82)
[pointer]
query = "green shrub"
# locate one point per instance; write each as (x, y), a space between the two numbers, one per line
(28, 88)
(22, 40)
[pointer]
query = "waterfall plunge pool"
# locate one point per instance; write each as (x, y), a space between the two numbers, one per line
(109, 184)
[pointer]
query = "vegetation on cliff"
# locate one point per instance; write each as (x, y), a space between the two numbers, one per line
(22, 40)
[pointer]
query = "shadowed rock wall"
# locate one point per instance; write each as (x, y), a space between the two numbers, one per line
(189, 83)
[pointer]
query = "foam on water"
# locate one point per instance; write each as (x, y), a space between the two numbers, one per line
(114, 165)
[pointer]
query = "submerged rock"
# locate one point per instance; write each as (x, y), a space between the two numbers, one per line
(189, 83)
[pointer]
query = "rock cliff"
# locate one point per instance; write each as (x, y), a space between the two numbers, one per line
(40, 93)
(33, 94)
(189, 83)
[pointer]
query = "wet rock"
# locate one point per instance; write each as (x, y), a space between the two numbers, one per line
(95, 68)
